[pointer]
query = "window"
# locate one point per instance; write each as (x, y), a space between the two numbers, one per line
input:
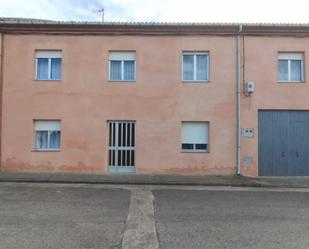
(48, 65)
(291, 67)
(194, 136)
(122, 66)
(195, 67)
(47, 135)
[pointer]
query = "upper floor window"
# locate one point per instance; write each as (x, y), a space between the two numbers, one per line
(122, 66)
(47, 135)
(195, 66)
(291, 67)
(48, 65)
(194, 136)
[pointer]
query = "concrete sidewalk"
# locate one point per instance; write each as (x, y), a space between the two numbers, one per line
(236, 181)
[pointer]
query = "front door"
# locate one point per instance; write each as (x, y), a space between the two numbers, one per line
(121, 153)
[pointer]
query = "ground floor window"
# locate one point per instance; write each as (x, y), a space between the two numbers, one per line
(47, 135)
(194, 136)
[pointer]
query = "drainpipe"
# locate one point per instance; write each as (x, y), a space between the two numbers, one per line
(238, 92)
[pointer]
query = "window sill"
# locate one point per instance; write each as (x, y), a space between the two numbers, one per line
(195, 81)
(48, 80)
(122, 81)
(46, 150)
(295, 82)
(194, 151)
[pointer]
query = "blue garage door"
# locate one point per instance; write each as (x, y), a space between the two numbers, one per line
(283, 143)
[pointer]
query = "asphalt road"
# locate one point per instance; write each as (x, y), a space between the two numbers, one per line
(59, 216)
(232, 219)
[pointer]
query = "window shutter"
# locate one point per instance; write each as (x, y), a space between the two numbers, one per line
(47, 125)
(48, 54)
(194, 133)
(120, 56)
(290, 56)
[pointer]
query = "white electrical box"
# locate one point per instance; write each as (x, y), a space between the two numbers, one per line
(247, 132)
(250, 87)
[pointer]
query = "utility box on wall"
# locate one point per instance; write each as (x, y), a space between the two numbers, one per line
(250, 87)
(247, 132)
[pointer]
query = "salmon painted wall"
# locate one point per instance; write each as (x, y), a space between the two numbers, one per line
(261, 66)
(84, 100)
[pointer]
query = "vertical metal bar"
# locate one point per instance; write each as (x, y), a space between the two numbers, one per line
(124, 134)
(119, 133)
(133, 134)
(128, 134)
(120, 142)
(109, 134)
(116, 143)
(125, 144)
(133, 144)
(113, 134)
(110, 127)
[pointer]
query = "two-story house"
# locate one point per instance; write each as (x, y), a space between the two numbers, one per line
(215, 99)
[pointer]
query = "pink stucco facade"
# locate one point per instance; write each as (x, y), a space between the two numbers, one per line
(158, 101)
(261, 66)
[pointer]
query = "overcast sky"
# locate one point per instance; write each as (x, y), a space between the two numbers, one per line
(274, 11)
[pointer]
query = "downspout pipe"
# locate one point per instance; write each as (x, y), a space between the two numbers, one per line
(238, 92)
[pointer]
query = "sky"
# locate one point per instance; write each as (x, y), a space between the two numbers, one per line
(248, 11)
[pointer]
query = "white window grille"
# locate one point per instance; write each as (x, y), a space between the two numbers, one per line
(121, 143)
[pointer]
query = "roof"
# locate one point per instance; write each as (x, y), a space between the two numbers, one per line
(43, 26)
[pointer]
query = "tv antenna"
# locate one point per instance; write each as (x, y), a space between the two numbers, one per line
(101, 12)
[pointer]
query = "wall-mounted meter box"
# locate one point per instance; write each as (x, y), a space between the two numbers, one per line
(247, 132)
(250, 87)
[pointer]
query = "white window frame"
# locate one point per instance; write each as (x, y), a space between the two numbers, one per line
(194, 150)
(122, 67)
(47, 55)
(36, 148)
(290, 57)
(195, 67)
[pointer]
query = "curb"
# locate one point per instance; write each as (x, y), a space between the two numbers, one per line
(131, 179)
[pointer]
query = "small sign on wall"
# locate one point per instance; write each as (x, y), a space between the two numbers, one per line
(247, 160)
(247, 132)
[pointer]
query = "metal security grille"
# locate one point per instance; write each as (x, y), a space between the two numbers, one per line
(121, 146)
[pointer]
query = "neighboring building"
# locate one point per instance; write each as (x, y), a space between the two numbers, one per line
(154, 98)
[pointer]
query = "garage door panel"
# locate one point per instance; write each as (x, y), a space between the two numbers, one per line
(273, 145)
(283, 143)
(299, 148)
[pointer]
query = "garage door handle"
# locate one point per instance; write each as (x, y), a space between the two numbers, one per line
(282, 154)
(297, 154)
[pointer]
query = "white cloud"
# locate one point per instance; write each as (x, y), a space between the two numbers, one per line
(161, 10)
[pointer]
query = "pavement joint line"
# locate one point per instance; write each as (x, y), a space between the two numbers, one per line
(140, 231)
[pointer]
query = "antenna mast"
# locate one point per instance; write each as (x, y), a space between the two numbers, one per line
(100, 11)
